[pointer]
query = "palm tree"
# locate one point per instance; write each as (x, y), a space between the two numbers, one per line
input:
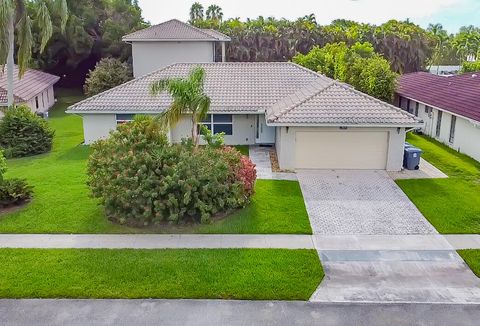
(14, 17)
(196, 12)
(214, 12)
(188, 98)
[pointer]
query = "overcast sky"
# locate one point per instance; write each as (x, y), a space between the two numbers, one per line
(450, 13)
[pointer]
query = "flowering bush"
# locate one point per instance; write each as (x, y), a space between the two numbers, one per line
(142, 179)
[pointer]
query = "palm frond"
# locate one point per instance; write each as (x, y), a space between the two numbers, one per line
(45, 23)
(61, 8)
(6, 13)
(158, 86)
(25, 43)
(201, 105)
(171, 116)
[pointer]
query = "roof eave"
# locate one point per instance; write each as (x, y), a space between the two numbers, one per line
(172, 40)
(347, 125)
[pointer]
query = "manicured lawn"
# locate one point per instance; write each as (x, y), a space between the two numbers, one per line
(243, 149)
(452, 205)
(197, 273)
(62, 204)
(472, 258)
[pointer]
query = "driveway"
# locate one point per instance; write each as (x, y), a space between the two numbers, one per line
(359, 202)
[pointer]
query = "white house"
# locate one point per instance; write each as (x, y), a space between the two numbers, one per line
(34, 89)
(173, 41)
(449, 105)
(314, 121)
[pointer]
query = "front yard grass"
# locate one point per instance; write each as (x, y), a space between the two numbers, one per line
(472, 258)
(61, 202)
(452, 205)
(258, 274)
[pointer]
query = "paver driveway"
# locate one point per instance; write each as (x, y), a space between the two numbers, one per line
(359, 202)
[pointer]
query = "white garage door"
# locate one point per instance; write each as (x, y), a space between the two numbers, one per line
(365, 150)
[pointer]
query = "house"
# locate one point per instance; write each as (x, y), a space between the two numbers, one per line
(313, 121)
(450, 107)
(173, 41)
(34, 89)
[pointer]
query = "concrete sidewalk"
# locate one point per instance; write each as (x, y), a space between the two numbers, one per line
(228, 312)
(282, 241)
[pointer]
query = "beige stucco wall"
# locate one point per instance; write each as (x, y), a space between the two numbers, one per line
(98, 126)
(151, 56)
(467, 133)
(286, 144)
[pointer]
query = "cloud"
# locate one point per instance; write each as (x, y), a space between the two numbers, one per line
(371, 11)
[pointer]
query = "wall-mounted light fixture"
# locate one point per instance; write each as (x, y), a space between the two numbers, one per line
(343, 128)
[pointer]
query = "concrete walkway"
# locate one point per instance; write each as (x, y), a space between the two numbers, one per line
(430, 242)
(426, 171)
(260, 156)
(228, 312)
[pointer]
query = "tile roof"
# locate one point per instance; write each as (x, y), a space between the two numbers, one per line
(175, 30)
(31, 84)
(336, 103)
(232, 87)
(459, 94)
(288, 93)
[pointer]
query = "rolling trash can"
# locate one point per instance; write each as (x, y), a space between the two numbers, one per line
(412, 158)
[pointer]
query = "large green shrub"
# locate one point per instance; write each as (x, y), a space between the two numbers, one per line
(12, 191)
(142, 179)
(23, 133)
(108, 73)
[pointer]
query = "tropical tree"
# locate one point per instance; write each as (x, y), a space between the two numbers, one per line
(14, 17)
(214, 12)
(188, 98)
(196, 13)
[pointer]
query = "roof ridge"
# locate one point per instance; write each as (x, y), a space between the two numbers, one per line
(295, 105)
(391, 106)
(119, 87)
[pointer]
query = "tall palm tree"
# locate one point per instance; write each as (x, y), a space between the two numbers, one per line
(188, 98)
(14, 17)
(196, 12)
(214, 12)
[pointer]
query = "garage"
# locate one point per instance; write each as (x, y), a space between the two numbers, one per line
(365, 150)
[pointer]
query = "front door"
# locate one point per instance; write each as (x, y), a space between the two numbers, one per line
(264, 133)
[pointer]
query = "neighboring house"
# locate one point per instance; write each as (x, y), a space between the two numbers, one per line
(450, 107)
(173, 41)
(34, 89)
(314, 121)
(444, 70)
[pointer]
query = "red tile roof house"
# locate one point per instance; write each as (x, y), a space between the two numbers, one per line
(34, 89)
(449, 106)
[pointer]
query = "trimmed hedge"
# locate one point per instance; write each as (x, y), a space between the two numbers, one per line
(23, 133)
(12, 191)
(142, 179)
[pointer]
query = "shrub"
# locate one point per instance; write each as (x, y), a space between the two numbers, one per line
(108, 73)
(468, 66)
(12, 191)
(143, 180)
(23, 133)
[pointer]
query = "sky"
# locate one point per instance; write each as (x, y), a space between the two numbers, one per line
(452, 14)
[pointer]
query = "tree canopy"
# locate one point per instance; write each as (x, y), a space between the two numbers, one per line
(357, 65)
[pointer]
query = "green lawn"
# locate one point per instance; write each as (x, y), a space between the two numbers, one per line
(243, 149)
(62, 204)
(472, 258)
(452, 205)
(258, 274)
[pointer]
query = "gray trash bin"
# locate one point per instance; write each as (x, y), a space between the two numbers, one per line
(412, 158)
(405, 146)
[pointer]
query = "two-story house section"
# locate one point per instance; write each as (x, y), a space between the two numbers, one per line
(172, 42)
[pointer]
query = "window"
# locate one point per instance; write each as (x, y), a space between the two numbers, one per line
(408, 106)
(218, 123)
(428, 109)
(439, 124)
(36, 102)
(416, 108)
(399, 101)
(452, 129)
(123, 118)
